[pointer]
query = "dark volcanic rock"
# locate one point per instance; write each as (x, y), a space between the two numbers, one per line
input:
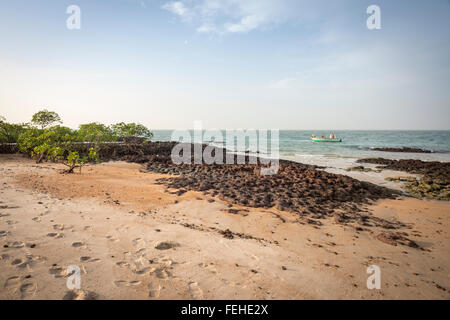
(296, 187)
(404, 149)
(435, 183)
(394, 238)
(432, 169)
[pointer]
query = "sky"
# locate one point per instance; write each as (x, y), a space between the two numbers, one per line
(273, 64)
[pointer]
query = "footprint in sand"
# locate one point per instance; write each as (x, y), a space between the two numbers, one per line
(138, 241)
(162, 273)
(120, 283)
(141, 251)
(11, 282)
(55, 235)
(144, 271)
(80, 295)
(14, 244)
(36, 219)
(78, 244)
(3, 233)
(123, 283)
(27, 290)
(195, 291)
(16, 262)
(166, 245)
(112, 239)
(88, 259)
(58, 272)
(123, 264)
(59, 227)
(154, 290)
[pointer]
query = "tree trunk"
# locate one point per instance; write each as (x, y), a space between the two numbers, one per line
(39, 159)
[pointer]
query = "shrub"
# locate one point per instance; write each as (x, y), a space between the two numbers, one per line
(10, 132)
(130, 132)
(95, 134)
(42, 143)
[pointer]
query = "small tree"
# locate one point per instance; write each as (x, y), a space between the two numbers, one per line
(95, 134)
(130, 131)
(72, 159)
(45, 118)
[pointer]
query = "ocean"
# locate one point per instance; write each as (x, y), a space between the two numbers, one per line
(297, 146)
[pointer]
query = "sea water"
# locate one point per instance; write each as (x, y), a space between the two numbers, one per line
(297, 146)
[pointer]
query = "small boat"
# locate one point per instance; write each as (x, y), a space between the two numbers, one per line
(332, 138)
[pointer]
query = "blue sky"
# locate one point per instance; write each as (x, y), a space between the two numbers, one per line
(286, 64)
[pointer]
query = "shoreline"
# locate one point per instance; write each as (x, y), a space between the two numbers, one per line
(111, 220)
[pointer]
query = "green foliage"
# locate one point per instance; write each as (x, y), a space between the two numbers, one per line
(95, 134)
(73, 148)
(75, 161)
(45, 118)
(125, 131)
(10, 132)
(61, 144)
(51, 143)
(29, 140)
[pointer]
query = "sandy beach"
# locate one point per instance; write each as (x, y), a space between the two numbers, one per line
(225, 159)
(133, 238)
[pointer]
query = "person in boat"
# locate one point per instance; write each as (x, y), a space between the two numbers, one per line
(313, 136)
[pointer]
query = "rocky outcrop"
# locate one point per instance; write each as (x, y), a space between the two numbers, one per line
(404, 149)
(435, 181)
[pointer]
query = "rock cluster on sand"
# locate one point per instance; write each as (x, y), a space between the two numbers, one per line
(298, 188)
(404, 149)
(435, 183)
(394, 238)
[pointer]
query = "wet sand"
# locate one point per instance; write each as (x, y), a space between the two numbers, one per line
(134, 239)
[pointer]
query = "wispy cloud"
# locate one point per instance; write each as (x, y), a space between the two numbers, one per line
(232, 16)
(178, 8)
(283, 83)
